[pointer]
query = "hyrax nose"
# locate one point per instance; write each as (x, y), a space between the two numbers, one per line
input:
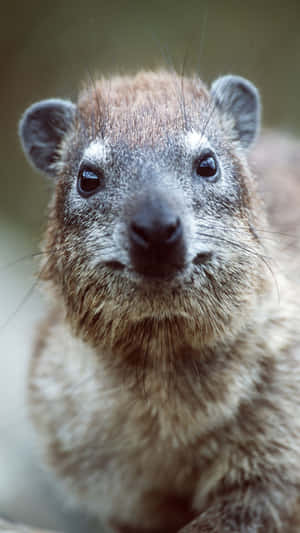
(156, 239)
(149, 233)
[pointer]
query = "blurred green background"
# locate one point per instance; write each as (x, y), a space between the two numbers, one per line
(47, 48)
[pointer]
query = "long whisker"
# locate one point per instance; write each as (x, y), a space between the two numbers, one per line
(183, 103)
(248, 251)
(21, 260)
(203, 35)
(107, 250)
(258, 230)
(25, 298)
(102, 111)
(164, 52)
(233, 243)
(209, 117)
(27, 295)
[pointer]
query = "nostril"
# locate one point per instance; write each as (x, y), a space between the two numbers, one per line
(157, 233)
(139, 234)
(173, 231)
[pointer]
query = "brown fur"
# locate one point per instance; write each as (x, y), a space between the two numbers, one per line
(154, 100)
(159, 404)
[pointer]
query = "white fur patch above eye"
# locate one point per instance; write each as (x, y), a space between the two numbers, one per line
(195, 141)
(97, 152)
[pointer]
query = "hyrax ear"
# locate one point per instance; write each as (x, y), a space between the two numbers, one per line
(42, 129)
(240, 99)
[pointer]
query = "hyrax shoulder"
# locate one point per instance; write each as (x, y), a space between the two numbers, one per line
(165, 383)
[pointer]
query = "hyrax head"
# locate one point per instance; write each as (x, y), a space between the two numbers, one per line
(154, 207)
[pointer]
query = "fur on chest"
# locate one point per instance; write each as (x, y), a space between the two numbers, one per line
(163, 442)
(102, 437)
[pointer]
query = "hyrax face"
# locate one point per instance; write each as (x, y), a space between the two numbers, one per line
(154, 210)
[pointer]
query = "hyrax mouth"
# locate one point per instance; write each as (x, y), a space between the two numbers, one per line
(202, 258)
(156, 244)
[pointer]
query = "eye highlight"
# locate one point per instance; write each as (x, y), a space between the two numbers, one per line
(89, 181)
(206, 166)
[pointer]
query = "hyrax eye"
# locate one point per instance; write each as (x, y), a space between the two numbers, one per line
(89, 181)
(206, 166)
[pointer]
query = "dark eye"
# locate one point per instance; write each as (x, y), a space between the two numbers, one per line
(206, 166)
(89, 181)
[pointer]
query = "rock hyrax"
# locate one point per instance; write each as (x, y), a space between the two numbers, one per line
(165, 383)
